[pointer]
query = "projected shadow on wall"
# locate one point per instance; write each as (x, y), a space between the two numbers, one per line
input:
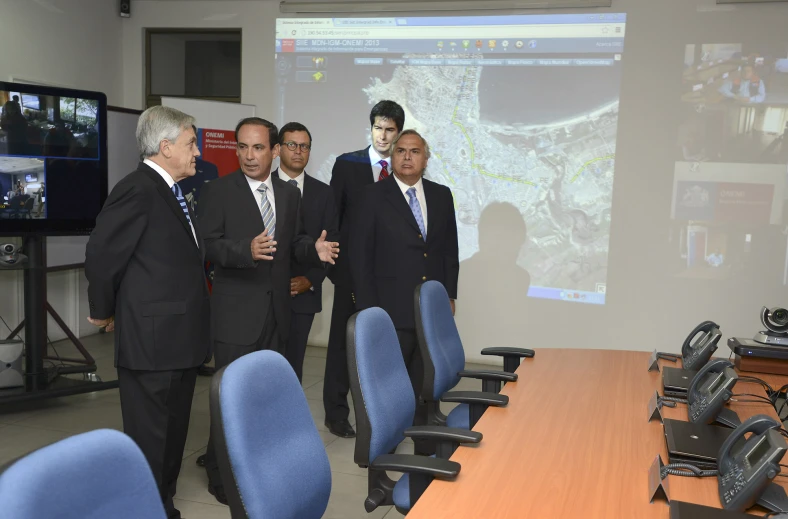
(493, 288)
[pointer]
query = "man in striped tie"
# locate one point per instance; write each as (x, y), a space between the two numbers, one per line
(409, 232)
(253, 229)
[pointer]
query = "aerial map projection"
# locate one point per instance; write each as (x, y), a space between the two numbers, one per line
(520, 114)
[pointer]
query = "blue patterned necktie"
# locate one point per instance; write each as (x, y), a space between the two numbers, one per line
(293, 183)
(416, 210)
(176, 190)
(269, 220)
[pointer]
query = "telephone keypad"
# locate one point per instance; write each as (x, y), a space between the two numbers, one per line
(698, 407)
(733, 481)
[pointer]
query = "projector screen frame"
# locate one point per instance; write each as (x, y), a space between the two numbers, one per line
(350, 7)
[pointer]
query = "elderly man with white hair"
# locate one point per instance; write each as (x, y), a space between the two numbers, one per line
(144, 265)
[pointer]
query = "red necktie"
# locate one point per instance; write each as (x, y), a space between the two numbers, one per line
(384, 172)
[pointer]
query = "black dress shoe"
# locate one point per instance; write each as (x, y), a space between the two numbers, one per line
(218, 493)
(201, 461)
(206, 371)
(342, 428)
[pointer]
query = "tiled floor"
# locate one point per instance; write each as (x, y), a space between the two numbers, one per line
(24, 428)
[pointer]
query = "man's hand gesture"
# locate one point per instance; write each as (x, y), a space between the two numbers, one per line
(327, 250)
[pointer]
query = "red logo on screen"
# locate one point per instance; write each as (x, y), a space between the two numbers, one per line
(218, 147)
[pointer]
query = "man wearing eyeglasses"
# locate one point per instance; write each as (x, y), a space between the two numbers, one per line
(319, 212)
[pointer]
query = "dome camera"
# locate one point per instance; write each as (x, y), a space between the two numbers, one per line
(775, 320)
(10, 257)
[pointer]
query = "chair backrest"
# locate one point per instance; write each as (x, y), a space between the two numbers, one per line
(94, 475)
(439, 341)
(271, 457)
(382, 393)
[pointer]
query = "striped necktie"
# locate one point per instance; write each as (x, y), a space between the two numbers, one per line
(269, 220)
(415, 208)
(384, 171)
(176, 190)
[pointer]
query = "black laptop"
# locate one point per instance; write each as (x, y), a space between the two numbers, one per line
(696, 444)
(682, 510)
(676, 381)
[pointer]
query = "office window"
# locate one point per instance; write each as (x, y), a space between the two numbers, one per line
(202, 64)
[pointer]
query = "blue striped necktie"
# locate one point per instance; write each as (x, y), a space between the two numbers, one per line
(415, 208)
(176, 190)
(269, 220)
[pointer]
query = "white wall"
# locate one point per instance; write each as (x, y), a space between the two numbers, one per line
(255, 18)
(71, 43)
(646, 307)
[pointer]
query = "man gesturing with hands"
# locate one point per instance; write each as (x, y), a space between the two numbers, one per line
(253, 227)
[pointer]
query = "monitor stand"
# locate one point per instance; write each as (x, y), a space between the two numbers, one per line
(728, 418)
(774, 498)
(38, 384)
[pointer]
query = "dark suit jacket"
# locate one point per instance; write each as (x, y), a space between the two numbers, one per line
(389, 257)
(351, 173)
(144, 267)
(243, 288)
(317, 206)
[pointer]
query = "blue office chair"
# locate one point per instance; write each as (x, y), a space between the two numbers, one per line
(94, 475)
(444, 362)
(270, 455)
(384, 404)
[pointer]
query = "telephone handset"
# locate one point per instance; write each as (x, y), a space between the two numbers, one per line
(709, 390)
(700, 344)
(746, 474)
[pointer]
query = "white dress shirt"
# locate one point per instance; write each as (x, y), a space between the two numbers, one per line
(374, 160)
(170, 182)
(299, 179)
(254, 184)
(419, 196)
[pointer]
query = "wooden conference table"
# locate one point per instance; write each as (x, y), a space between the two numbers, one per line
(574, 442)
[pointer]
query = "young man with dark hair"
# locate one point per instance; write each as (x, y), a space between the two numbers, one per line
(352, 172)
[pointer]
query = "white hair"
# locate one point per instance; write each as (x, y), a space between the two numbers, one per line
(159, 123)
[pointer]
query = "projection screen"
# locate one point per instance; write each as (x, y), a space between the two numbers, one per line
(521, 113)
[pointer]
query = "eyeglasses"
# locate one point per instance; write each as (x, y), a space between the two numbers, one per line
(293, 145)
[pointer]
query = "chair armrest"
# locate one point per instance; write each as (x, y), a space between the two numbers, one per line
(412, 464)
(476, 397)
(507, 352)
(502, 376)
(439, 433)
